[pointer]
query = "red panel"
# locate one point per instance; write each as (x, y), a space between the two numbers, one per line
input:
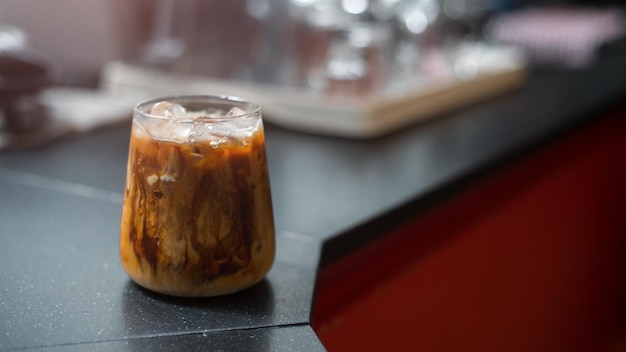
(533, 259)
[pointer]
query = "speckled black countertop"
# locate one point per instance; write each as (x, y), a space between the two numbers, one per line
(62, 287)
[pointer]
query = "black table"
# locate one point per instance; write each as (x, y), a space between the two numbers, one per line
(62, 287)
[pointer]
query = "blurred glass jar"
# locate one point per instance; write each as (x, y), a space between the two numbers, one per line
(213, 37)
(339, 46)
(360, 63)
(313, 28)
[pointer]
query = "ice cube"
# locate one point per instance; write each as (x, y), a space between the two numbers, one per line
(168, 109)
(170, 130)
(235, 112)
(239, 124)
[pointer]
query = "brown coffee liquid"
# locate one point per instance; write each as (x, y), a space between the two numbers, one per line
(197, 217)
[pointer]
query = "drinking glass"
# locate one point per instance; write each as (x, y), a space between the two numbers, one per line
(197, 217)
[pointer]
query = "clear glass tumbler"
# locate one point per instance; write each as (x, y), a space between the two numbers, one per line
(197, 218)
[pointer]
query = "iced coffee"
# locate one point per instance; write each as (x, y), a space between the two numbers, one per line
(197, 217)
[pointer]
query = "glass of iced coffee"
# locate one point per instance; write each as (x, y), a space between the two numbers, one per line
(197, 217)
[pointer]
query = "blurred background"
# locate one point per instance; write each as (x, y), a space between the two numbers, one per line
(328, 48)
(247, 38)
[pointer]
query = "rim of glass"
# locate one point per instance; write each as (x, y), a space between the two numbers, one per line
(253, 109)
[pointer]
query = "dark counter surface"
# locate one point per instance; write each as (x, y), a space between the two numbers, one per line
(62, 286)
